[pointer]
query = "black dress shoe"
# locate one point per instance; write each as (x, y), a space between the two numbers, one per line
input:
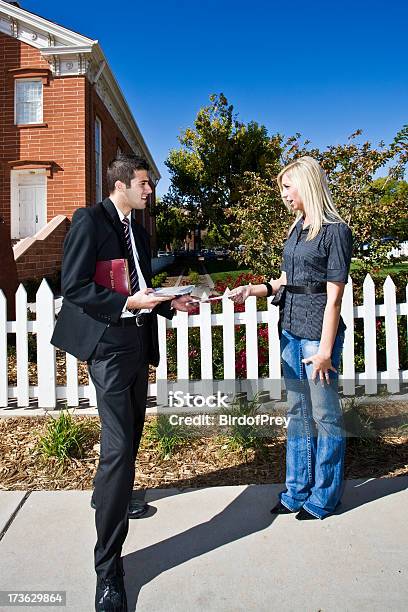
(304, 515)
(110, 595)
(280, 509)
(137, 508)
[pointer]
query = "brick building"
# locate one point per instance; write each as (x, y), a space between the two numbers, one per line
(63, 117)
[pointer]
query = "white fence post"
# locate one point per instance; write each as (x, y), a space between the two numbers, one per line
(251, 345)
(349, 368)
(45, 314)
(22, 348)
(91, 393)
(182, 345)
(206, 349)
(391, 336)
(3, 352)
(183, 373)
(274, 352)
(71, 368)
(206, 342)
(228, 343)
(161, 370)
(370, 336)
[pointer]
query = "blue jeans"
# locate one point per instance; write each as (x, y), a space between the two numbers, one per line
(315, 443)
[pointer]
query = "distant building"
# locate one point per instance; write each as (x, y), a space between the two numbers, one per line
(63, 118)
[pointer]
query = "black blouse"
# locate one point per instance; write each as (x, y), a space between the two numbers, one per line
(325, 258)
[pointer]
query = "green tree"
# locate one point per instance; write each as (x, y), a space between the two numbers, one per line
(393, 191)
(172, 225)
(371, 209)
(207, 172)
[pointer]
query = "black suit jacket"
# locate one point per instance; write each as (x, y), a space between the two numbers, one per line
(96, 234)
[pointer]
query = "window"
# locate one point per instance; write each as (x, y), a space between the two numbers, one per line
(98, 158)
(28, 101)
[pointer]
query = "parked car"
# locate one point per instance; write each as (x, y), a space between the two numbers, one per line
(364, 247)
(221, 253)
(206, 255)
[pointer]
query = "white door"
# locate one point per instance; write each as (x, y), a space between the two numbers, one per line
(32, 204)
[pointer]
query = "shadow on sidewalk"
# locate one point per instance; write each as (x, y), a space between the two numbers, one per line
(247, 514)
(358, 494)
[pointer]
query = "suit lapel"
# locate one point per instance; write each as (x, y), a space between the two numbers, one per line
(113, 217)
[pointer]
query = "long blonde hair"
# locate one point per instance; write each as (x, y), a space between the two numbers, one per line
(310, 180)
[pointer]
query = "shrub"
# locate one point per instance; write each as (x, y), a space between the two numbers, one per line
(159, 279)
(66, 438)
(193, 277)
(166, 436)
(356, 423)
(244, 436)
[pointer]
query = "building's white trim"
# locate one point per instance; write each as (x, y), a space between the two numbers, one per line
(40, 25)
(98, 168)
(71, 54)
(71, 50)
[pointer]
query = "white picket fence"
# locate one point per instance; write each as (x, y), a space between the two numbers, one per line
(47, 392)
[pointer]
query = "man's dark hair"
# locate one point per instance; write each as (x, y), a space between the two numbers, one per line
(122, 168)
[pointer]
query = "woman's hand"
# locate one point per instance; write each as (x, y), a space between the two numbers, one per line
(321, 367)
(240, 294)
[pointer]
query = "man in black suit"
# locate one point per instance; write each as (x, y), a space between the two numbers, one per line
(117, 336)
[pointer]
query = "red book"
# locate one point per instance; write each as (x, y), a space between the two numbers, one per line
(113, 274)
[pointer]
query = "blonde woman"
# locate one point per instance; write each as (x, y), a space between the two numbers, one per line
(315, 267)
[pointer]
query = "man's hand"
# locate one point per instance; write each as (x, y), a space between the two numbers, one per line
(183, 303)
(146, 298)
(321, 367)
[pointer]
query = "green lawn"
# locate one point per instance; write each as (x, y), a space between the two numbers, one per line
(402, 267)
(399, 267)
(220, 270)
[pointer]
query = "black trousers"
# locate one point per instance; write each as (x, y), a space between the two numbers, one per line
(119, 370)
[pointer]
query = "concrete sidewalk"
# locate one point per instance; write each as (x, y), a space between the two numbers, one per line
(218, 549)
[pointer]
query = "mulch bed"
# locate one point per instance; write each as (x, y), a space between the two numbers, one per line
(199, 462)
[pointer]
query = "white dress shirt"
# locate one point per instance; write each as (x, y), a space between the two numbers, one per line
(142, 282)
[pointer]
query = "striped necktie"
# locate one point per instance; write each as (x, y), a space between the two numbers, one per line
(134, 280)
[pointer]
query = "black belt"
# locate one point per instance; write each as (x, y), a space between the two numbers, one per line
(138, 321)
(307, 289)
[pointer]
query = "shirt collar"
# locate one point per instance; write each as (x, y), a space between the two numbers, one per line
(120, 213)
(299, 225)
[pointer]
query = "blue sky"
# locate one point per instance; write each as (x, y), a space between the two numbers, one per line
(319, 68)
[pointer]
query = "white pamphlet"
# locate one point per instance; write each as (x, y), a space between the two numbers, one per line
(181, 290)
